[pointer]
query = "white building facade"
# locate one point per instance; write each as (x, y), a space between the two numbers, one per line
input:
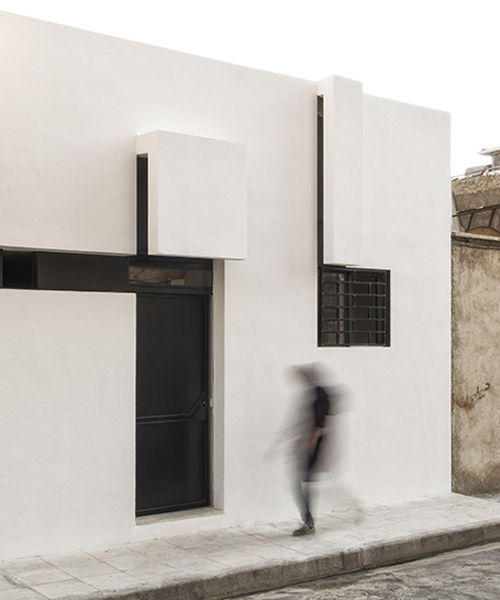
(215, 273)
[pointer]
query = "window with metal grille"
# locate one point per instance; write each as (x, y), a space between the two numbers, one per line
(354, 307)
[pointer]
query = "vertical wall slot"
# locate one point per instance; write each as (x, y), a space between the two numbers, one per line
(320, 167)
(142, 204)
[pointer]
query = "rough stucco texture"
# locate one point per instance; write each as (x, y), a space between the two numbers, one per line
(477, 191)
(476, 377)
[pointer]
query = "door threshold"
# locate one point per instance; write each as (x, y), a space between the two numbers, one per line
(194, 513)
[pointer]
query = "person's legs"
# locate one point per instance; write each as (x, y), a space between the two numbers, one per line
(303, 499)
(302, 490)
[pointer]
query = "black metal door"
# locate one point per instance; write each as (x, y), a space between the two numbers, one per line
(172, 466)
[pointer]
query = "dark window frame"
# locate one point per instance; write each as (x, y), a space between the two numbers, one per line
(353, 307)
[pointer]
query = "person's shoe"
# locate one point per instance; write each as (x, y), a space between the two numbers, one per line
(304, 530)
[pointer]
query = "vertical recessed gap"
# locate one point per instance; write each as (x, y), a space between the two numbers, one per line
(142, 204)
(320, 167)
(319, 219)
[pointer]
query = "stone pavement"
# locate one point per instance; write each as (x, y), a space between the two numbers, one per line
(465, 574)
(225, 563)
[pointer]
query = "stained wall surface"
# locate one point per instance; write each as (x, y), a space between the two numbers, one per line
(476, 380)
(476, 202)
(72, 104)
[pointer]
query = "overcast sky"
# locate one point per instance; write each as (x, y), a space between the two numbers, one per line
(442, 54)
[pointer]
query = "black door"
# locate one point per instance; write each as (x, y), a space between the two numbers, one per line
(172, 466)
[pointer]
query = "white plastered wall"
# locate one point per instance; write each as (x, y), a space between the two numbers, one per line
(67, 428)
(68, 132)
(343, 172)
(407, 216)
(398, 430)
(197, 202)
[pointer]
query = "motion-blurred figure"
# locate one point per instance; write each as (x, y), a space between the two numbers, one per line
(310, 442)
(311, 438)
(315, 439)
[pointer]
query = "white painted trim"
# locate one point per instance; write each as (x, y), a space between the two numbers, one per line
(342, 170)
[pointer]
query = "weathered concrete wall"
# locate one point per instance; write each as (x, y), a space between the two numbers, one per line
(475, 359)
(477, 202)
(477, 191)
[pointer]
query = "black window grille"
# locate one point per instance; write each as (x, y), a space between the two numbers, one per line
(354, 307)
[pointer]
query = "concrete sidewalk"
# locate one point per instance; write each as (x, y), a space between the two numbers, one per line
(225, 563)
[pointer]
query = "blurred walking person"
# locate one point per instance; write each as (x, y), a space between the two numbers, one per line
(310, 443)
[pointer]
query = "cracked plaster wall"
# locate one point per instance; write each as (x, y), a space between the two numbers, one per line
(476, 377)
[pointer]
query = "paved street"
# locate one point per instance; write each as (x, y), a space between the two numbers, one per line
(469, 574)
